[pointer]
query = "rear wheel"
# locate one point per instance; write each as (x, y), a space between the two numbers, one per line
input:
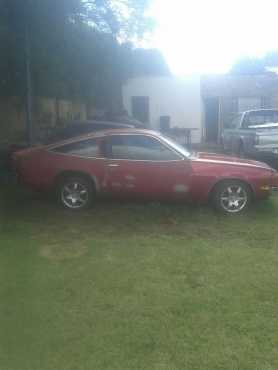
(232, 197)
(75, 193)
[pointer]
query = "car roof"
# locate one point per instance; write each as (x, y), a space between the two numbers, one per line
(88, 123)
(103, 133)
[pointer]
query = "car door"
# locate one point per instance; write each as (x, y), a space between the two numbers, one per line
(231, 133)
(142, 165)
(247, 132)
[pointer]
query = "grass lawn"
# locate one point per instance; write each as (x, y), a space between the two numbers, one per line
(137, 286)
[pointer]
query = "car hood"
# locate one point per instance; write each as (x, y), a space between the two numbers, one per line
(225, 159)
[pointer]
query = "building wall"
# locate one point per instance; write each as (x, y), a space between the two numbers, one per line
(51, 111)
(47, 112)
(12, 118)
(179, 98)
(274, 100)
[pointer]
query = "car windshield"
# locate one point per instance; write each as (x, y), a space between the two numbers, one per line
(262, 119)
(178, 147)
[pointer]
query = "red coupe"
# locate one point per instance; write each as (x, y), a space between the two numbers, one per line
(141, 163)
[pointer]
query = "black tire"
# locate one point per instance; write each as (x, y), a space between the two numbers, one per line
(75, 192)
(232, 197)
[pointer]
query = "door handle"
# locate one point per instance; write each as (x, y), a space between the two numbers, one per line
(113, 165)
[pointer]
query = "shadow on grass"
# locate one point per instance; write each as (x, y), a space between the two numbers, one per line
(32, 216)
(17, 201)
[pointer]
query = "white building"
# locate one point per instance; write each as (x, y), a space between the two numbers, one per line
(154, 100)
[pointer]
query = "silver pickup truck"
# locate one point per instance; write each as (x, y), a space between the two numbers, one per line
(253, 133)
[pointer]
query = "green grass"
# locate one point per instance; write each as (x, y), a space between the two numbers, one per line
(136, 286)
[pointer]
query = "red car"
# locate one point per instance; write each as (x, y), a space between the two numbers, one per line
(132, 163)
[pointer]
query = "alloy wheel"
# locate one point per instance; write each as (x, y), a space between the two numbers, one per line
(74, 194)
(234, 198)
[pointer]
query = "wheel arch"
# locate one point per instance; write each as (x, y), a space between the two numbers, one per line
(76, 173)
(221, 181)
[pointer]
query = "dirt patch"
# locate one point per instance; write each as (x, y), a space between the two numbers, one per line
(58, 252)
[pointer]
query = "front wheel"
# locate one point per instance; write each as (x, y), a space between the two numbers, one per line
(232, 197)
(75, 193)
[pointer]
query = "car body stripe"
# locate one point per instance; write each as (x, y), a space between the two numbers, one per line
(229, 162)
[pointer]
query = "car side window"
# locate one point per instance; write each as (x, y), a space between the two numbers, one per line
(271, 117)
(85, 148)
(140, 147)
(253, 118)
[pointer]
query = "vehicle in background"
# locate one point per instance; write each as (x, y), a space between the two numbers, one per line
(141, 163)
(253, 134)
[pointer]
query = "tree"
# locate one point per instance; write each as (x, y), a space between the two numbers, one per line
(79, 49)
(148, 62)
(124, 19)
(73, 42)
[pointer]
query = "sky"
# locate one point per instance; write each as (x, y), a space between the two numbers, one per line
(208, 36)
